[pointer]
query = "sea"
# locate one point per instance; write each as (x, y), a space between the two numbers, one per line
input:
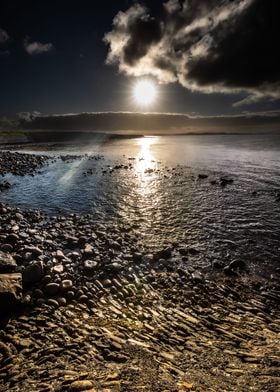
(168, 189)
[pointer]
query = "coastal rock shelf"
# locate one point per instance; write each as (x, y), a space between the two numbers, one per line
(101, 313)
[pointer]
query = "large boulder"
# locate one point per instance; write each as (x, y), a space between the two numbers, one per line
(7, 263)
(10, 291)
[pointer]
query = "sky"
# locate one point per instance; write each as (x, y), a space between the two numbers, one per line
(207, 57)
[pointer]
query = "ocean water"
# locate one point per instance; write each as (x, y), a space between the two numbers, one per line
(158, 194)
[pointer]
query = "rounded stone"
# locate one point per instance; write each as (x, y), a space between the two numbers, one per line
(90, 266)
(40, 301)
(70, 295)
(62, 301)
(66, 285)
(53, 302)
(52, 288)
(80, 385)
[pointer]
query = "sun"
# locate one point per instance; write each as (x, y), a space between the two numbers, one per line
(144, 92)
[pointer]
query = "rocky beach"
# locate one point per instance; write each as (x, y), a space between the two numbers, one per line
(92, 306)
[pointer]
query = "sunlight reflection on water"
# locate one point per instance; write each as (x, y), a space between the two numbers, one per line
(167, 200)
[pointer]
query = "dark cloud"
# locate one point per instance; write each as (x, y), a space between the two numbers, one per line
(209, 46)
(4, 41)
(36, 47)
(4, 37)
(151, 123)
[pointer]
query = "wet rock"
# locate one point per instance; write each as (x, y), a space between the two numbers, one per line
(88, 250)
(5, 185)
(59, 255)
(52, 288)
(193, 251)
(7, 248)
(197, 277)
(7, 263)
(12, 239)
(66, 285)
(217, 264)
(33, 273)
(35, 251)
(90, 266)
(225, 181)
(10, 291)
(202, 176)
(228, 271)
(53, 302)
(114, 267)
(237, 265)
(19, 217)
(38, 293)
(183, 251)
(137, 256)
(61, 301)
(163, 254)
(58, 269)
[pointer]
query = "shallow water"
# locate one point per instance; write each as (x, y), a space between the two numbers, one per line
(162, 199)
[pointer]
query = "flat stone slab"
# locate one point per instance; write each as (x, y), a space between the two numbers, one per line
(10, 291)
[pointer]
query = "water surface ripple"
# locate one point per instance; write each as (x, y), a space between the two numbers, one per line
(157, 192)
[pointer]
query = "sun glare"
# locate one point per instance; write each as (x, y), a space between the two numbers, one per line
(145, 92)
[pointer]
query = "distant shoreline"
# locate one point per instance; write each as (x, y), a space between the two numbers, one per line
(17, 138)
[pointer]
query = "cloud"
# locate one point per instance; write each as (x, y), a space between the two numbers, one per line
(4, 37)
(206, 45)
(151, 123)
(28, 116)
(36, 47)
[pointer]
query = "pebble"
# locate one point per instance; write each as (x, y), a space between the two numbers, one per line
(66, 285)
(80, 385)
(52, 288)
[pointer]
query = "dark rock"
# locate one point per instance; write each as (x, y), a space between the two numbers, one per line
(237, 265)
(114, 267)
(12, 239)
(37, 293)
(225, 181)
(183, 251)
(217, 264)
(88, 250)
(137, 256)
(228, 271)
(52, 288)
(35, 251)
(5, 185)
(163, 254)
(10, 291)
(90, 266)
(202, 176)
(8, 248)
(193, 251)
(53, 302)
(33, 273)
(197, 277)
(61, 301)
(7, 263)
